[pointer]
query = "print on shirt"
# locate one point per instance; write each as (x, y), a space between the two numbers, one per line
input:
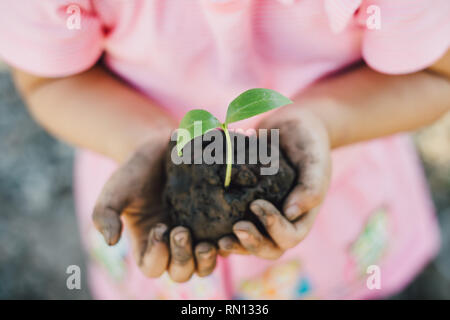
(283, 281)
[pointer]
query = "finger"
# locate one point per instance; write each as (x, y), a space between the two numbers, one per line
(303, 199)
(110, 204)
(156, 256)
(182, 264)
(254, 242)
(282, 232)
(205, 255)
(229, 245)
(305, 223)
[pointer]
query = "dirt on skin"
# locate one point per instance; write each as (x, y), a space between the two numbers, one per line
(196, 198)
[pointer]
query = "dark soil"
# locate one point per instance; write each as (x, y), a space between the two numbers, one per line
(196, 197)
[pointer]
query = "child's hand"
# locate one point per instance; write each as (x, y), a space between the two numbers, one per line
(304, 140)
(134, 193)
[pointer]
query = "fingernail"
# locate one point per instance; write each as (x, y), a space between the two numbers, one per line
(256, 209)
(206, 254)
(158, 232)
(226, 244)
(181, 238)
(292, 212)
(242, 234)
(106, 235)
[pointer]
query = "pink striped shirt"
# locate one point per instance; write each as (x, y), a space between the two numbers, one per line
(202, 53)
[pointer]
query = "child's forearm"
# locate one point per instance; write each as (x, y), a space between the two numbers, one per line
(364, 104)
(95, 111)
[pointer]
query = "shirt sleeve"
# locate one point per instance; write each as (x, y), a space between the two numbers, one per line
(411, 35)
(51, 38)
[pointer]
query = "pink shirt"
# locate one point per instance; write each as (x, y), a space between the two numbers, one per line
(188, 54)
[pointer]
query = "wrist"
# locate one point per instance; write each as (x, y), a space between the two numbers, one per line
(137, 137)
(329, 114)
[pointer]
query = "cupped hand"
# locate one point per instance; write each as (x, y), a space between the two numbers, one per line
(133, 195)
(304, 140)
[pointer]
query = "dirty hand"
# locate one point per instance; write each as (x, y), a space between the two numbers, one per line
(133, 193)
(304, 140)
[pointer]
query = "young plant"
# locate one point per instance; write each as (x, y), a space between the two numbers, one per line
(248, 104)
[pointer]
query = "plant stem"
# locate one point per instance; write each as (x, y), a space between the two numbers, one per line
(229, 156)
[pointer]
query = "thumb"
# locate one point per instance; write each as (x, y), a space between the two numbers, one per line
(107, 222)
(110, 204)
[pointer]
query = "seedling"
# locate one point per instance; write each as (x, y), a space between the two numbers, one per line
(248, 104)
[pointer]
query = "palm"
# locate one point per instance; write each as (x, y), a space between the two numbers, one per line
(134, 192)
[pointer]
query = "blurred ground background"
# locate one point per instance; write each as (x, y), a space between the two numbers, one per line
(38, 230)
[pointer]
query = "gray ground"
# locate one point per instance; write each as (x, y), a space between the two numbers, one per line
(38, 231)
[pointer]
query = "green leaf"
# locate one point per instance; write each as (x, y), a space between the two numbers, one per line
(253, 102)
(189, 123)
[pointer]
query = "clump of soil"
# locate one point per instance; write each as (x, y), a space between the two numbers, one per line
(196, 198)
